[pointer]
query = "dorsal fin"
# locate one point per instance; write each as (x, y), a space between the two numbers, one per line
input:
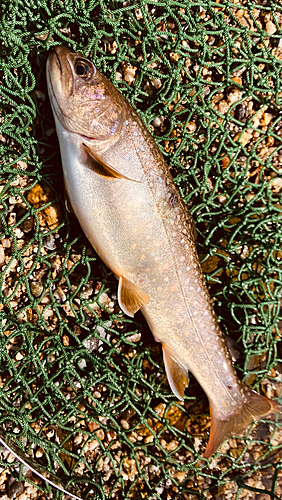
(130, 297)
(176, 374)
(99, 166)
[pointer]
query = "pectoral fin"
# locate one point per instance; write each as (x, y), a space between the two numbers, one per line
(176, 374)
(99, 166)
(130, 297)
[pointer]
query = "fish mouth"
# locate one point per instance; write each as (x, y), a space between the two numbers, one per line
(59, 70)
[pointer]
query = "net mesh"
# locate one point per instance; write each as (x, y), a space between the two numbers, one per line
(82, 387)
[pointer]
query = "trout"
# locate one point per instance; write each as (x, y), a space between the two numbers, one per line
(124, 198)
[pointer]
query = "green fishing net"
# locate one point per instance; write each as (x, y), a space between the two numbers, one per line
(82, 386)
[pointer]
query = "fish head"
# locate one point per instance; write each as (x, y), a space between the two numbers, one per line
(83, 100)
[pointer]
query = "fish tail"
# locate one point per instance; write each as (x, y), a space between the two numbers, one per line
(254, 407)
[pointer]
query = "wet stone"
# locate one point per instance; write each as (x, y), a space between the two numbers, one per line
(36, 289)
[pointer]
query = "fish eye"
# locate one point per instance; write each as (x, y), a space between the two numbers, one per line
(82, 69)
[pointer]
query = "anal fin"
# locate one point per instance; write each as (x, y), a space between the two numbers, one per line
(177, 374)
(130, 297)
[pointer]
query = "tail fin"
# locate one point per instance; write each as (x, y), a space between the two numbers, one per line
(255, 408)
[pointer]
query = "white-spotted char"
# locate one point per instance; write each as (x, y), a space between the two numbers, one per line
(123, 195)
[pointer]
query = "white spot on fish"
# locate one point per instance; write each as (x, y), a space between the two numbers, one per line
(135, 133)
(198, 289)
(205, 313)
(160, 180)
(142, 148)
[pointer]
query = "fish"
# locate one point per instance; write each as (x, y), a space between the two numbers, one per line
(123, 195)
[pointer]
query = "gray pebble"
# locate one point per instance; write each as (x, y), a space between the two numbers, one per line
(49, 242)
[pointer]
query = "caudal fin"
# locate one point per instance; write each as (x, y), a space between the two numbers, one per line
(255, 408)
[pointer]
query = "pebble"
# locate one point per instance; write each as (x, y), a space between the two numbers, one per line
(234, 96)
(49, 242)
(42, 36)
(2, 255)
(244, 138)
(36, 289)
(270, 28)
(125, 424)
(6, 242)
(276, 185)
(60, 295)
(129, 74)
(156, 82)
(157, 122)
(223, 107)
(39, 453)
(191, 127)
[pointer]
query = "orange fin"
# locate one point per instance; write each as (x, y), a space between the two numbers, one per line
(130, 297)
(255, 408)
(176, 374)
(99, 166)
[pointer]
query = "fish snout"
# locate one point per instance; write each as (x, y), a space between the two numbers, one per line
(60, 54)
